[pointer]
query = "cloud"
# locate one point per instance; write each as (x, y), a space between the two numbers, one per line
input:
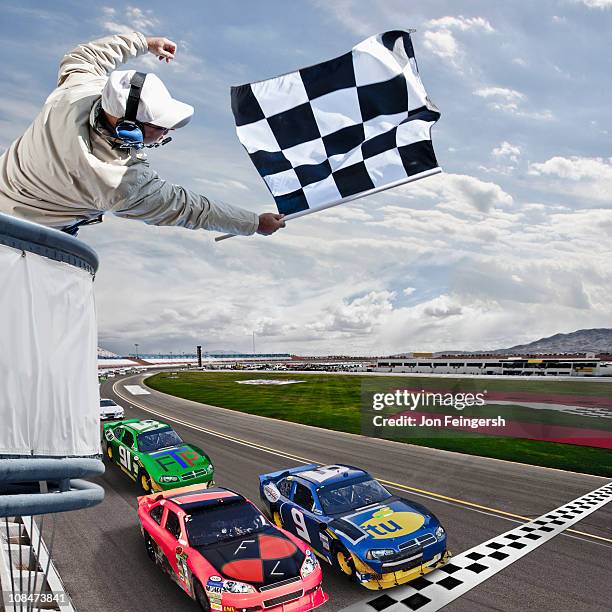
(581, 179)
(509, 101)
(460, 23)
(358, 316)
(599, 4)
(574, 168)
(440, 40)
(503, 93)
(461, 193)
(441, 43)
(508, 151)
(442, 307)
(134, 19)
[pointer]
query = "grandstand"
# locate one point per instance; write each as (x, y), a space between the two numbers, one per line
(548, 365)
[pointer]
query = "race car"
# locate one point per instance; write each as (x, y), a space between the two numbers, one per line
(224, 553)
(154, 455)
(353, 522)
(110, 410)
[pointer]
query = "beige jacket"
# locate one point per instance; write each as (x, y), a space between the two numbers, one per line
(63, 170)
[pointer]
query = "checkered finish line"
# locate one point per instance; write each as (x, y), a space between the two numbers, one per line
(468, 569)
(342, 129)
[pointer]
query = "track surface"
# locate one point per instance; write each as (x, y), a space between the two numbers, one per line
(101, 559)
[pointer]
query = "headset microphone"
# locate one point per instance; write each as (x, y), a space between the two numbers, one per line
(159, 144)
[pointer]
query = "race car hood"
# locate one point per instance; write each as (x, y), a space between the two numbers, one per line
(260, 559)
(384, 525)
(175, 460)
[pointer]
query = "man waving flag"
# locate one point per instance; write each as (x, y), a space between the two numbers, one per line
(341, 129)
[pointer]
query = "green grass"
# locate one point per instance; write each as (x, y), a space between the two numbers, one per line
(334, 401)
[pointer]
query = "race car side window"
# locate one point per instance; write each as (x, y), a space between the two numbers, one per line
(173, 525)
(284, 487)
(303, 497)
(157, 513)
(128, 438)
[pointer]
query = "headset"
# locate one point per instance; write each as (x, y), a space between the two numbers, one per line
(130, 131)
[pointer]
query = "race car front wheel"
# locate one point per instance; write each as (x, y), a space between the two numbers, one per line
(200, 596)
(276, 518)
(344, 562)
(144, 482)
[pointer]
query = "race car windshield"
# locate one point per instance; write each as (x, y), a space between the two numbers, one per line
(208, 526)
(104, 403)
(351, 496)
(158, 439)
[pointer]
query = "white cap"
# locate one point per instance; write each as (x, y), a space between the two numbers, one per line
(156, 105)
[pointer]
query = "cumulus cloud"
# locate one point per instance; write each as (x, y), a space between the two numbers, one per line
(133, 19)
(441, 308)
(461, 192)
(439, 38)
(460, 23)
(574, 168)
(503, 93)
(360, 315)
(507, 151)
(583, 179)
(441, 43)
(511, 101)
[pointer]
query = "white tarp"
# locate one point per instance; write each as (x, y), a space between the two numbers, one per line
(49, 396)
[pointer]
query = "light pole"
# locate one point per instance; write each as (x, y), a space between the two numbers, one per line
(136, 346)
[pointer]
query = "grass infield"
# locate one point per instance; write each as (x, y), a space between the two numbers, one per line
(334, 402)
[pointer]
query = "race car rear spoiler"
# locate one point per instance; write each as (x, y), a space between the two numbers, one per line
(153, 497)
(115, 423)
(276, 476)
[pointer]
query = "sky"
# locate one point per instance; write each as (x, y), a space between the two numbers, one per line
(509, 244)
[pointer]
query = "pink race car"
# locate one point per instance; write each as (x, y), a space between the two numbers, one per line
(224, 553)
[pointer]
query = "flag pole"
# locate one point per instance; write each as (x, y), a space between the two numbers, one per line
(309, 211)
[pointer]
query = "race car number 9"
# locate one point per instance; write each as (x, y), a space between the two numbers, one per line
(124, 457)
(300, 524)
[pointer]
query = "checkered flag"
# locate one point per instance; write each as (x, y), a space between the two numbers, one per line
(342, 129)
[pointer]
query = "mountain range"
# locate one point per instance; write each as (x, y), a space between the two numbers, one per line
(598, 340)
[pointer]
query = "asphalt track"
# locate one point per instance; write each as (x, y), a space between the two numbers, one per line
(100, 555)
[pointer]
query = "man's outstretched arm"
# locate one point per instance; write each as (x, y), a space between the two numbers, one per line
(158, 202)
(100, 57)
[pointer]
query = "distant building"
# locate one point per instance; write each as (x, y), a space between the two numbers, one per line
(510, 366)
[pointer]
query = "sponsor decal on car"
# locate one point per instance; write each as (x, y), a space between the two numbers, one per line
(214, 585)
(383, 522)
(185, 457)
(271, 492)
(324, 541)
(183, 570)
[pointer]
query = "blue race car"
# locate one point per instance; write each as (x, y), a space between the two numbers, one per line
(353, 522)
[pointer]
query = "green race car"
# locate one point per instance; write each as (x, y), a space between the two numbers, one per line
(154, 455)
